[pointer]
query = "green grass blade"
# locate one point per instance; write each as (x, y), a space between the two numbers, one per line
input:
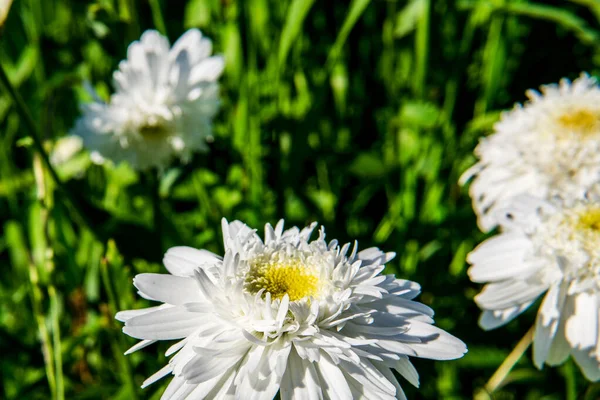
(296, 15)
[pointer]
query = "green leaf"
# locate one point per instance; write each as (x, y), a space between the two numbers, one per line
(368, 165)
(296, 15)
(197, 13)
(357, 7)
(561, 16)
(420, 114)
(408, 17)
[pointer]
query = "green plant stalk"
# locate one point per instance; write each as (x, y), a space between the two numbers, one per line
(422, 50)
(568, 371)
(592, 5)
(116, 343)
(128, 14)
(154, 184)
(356, 9)
(52, 353)
(453, 85)
(254, 138)
(202, 196)
(157, 16)
(54, 315)
(592, 392)
(509, 362)
(492, 46)
(47, 351)
(23, 111)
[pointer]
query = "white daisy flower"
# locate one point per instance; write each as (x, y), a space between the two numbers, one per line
(550, 146)
(307, 319)
(164, 101)
(552, 249)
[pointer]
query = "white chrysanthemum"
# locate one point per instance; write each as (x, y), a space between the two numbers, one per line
(553, 249)
(306, 318)
(164, 101)
(550, 146)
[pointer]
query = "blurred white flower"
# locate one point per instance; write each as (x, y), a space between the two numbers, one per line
(550, 146)
(4, 8)
(164, 101)
(306, 318)
(65, 148)
(552, 249)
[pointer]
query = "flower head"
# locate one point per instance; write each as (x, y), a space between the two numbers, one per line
(548, 147)
(164, 101)
(309, 319)
(553, 249)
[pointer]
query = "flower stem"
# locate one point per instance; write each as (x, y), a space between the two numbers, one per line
(157, 17)
(47, 352)
(117, 344)
(509, 362)
(23, 111)
(54, 314)
(154, 184)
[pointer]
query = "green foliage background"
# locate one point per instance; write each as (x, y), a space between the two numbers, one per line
(358, 114)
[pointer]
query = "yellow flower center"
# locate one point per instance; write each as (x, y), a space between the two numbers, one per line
(289, 277)
(590, 220)
(583, 121)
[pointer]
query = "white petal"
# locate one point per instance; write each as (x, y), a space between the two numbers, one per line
(208, 70)
(263, 382)
(223, 390)
(385, 371)
(491, 319)
(213, 387)
(169, 289)
(436, 343)
(510, 293)
(300, 380)
(201, 368)
(140, 345)
(501, 257)
(166, 370)
(588, 362)
(177, 389)
(183, 260)
(165, 324)
(582, 327)
(560, 348)
(194, 44)
(370, 378)
(333, 382)
(547, 324)
(405, 368)
(123, 316)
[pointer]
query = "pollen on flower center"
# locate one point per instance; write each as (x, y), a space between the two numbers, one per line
(575, 235)
(590, 220)
(582, 121)
(280, 277)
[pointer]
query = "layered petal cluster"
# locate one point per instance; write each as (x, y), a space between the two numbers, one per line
(164, 102)
(549, 248)
(549, 146)
(307, 319)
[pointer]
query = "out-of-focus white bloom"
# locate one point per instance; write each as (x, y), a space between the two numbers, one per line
(548, 147)
(4, 8)
(164, 101)
(65, 148)
(306, 318)
(552, 249)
